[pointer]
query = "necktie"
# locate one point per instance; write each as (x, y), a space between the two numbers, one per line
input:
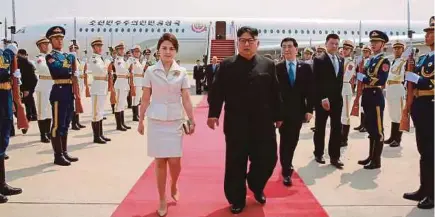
(291, 73)
(334, 64)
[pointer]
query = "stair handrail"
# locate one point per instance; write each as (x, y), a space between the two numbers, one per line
(234, 26)
(210, 38)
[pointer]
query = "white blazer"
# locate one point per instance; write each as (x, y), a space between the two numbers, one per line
(166, 104)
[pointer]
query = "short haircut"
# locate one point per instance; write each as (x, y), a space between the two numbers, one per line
(168, 37)
(295, 43)
(247, 29)
(332, 36)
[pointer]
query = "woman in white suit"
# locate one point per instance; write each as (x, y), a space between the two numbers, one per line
(169, 85)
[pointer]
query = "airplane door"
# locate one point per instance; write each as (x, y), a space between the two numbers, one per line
(221, 30)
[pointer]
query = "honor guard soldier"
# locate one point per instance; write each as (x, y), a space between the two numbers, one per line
(422, 113)
(349, 73)
(373, 102)
(396, 93)
(308, 56)
(43, 89)
(121, 87)
(320, 49)
(61, 95)
(7, 57)
(137, 68)
(367, 52)
(75, 120)
(99, 87)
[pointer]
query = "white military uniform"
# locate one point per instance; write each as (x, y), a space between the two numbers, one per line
(99, 86)
(349, 73)
(396, 90)
(80, 78)
(43, 88)
(138, 74)
(121, 84)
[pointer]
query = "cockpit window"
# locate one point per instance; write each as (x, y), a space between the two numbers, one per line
(22, 30)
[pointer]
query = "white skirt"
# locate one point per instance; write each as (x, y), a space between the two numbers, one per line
(164, 138)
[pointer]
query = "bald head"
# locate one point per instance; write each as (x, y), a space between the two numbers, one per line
(214, 60)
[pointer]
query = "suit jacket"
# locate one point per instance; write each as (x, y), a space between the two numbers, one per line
(198, 72)
(250, 91)
(209, 73)
(326, 83)
(297, 99)
(28, 76)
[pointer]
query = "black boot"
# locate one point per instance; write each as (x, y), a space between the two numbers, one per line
(118, 122)
(59, 159)
(42, 129)
(65, 149)
(5, 189)
(6, 157)
(392, 134)
(344, 135)
(113, 108)
(375, 163)
(397, 135)
(361, 122)
(369, 158)
(135, 113)
(96, 130)
(12, 133)
(129, 99)
(101, 132)
(47, 125)
(78, 121)
(74, 125)
(123, 121)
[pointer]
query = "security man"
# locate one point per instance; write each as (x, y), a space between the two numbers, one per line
(422, 113)
(373, 101)
(99, 87)
(121, 86)
(62, 96)
(43, 89)
(367, 52)
(7, 57)
(75, 120)
(138, 69)
(349, 73)
(396, 93)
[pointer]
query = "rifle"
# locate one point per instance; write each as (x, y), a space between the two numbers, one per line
(22, 122)
(359, 88)
(405, 120)
(111, 85)
(85, 80)
(76, 87)
(131, 81)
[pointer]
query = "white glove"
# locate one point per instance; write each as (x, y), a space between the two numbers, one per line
(77, 73)
(360, 76)
(13, 47)
(412, 77)
(17, 73)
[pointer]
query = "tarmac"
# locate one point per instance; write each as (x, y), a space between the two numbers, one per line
(96, 184)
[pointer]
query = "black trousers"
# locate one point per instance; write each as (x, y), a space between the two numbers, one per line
(289, 138)
(422, 113)
(29, 102)
(198, 86)
(261, 152)
(335, 135)
(373, 102)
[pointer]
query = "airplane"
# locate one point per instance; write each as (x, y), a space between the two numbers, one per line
(195, 34)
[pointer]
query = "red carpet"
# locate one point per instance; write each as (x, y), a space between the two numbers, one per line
(201, 184)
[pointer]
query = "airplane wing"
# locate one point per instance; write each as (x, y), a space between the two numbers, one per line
(417, 39)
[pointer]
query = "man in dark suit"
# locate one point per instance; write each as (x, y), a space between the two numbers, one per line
(210, 71)
(328, 83)
(248, 86)
(295, 81)
(198, 75)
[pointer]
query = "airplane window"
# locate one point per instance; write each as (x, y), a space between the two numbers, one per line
(366, 33)
(259, 31)
(80, 30)
(345, 32)
(277, 31)
(176, 30)
(164, 30)
(140, 30)
(152, 29)
(116, 30)
(302, 31)
(353, 32)
(134, 29)
(110, 30)
(158, 30)
(122, 29)
(314, 31)
(104, 30)
(326, 31)
(182, 30)
(296, 31)
(397, 33)
(98, 30)
(333, 32)
(170, 30)
(357, 32)
(289, 31)
(308, 31)
(338, 32)
(320, 31)
(86, 30)
(146, 29)
(128, 30)
(283, 31)
(271, 31)
(403, 33)
(92, 29)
